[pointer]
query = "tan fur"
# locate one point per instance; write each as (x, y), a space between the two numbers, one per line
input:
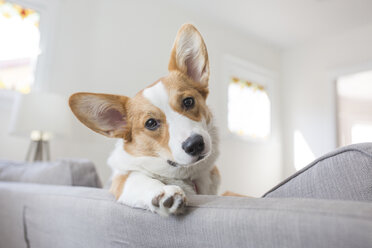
(215, 171)
(146, 142)
(179, 61)
(229, 193)
(117, 185)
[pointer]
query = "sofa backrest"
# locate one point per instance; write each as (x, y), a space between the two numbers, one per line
(344, 174)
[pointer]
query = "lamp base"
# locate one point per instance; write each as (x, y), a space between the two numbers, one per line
(38, 150)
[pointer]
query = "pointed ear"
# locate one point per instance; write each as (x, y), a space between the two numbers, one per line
(189, 55)
(103, 113)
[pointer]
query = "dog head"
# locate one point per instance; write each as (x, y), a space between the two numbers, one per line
(169, 120)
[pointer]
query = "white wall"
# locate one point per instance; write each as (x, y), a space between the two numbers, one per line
(122, 46)
(308, 88)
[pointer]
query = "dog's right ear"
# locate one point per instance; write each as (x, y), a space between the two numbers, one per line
(103, 113)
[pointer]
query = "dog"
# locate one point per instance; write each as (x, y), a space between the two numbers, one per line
(168, 143)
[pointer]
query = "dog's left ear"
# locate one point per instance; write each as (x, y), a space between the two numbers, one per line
(189, 55)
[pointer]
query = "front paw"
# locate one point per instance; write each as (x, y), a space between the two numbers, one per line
(170, 200)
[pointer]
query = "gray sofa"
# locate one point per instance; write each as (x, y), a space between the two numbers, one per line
(327, 204)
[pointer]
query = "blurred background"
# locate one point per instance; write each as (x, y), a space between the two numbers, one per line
(290, 80)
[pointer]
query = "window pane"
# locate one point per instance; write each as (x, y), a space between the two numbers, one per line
(19, 46)
(248, 109)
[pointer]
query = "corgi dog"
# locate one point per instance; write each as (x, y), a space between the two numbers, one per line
(168, 142)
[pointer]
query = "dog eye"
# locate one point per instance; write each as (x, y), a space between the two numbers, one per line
(151, 124)
(188, 102)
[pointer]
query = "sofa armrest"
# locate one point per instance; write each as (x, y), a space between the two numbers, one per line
(60, 216)
(344, 174)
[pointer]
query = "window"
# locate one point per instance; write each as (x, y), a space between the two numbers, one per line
(354, 110)
(19, 46)
(248, 109)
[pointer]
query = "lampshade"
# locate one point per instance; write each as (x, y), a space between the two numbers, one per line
(45, 112)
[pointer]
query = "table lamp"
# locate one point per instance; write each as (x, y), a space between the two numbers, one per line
(40, 116)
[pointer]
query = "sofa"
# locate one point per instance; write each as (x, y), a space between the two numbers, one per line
(326, 204)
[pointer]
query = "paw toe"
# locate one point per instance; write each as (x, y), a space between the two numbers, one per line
(168, 203)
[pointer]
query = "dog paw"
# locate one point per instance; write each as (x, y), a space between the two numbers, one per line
(170, 200)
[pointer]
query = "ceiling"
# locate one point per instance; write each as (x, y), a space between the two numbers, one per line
(285, 23)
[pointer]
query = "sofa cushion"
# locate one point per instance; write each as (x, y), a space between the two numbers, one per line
(344, 174)
(40, 216)
(61, 172)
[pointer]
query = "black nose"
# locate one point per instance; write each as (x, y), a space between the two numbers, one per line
(194, 145)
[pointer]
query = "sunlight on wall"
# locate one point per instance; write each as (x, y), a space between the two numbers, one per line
(302, 152)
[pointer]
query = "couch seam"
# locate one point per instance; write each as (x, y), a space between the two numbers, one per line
(311, 165)
(25, 235)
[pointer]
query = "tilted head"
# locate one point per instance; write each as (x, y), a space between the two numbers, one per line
(168, 121)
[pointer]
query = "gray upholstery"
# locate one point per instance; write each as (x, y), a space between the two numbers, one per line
(35, 215)
(77, 172)
(58, 216)
(344, 174)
